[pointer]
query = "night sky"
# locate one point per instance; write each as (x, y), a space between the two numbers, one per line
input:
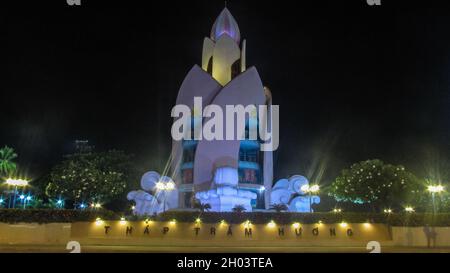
(353, 81)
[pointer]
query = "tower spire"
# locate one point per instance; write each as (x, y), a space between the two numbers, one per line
(225, 24)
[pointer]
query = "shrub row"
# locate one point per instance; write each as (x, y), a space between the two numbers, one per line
(265, 217)
(52, 216)
(284, 218)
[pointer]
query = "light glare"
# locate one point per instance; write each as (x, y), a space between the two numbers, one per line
(17, 182)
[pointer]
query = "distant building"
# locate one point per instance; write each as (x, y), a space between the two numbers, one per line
(83, 147)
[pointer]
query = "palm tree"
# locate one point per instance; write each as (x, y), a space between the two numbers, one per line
(7, 154)
(279, 207)
(202, 206)
(239, 208)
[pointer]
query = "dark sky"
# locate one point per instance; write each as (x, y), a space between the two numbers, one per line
(353, 81)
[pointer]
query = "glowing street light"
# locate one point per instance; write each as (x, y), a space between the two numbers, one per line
(170, 186)
(165, 187)
(409, 209)
(314, 188)
(27, 200)
(15, 182)
(433, 189)
(271, 224)
(98, 221)
(310, 190)
(60, 202)
(24, 199)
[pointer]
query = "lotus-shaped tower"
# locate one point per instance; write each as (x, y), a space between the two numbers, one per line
(223, 79)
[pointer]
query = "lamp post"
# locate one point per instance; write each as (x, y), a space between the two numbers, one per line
(27, 200)
(15, 183)
(310, 190)
(164, 187)
(433, 189)
(60, 202)
(22, 199)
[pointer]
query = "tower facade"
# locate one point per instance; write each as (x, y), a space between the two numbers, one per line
(223, 79)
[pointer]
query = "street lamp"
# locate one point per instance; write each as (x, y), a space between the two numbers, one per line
(23, 199)
(310, 190)
(60, 202)
(27, 200)
(95, 206)
(164, 187)
(15, 183)
(433, 189)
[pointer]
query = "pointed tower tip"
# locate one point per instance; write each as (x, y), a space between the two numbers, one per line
(225, 24)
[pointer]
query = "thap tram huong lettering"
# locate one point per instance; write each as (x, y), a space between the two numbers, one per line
(230, 231)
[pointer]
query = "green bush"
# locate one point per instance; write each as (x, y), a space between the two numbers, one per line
(420, 219)
(285, 218)
(265, 217)
(53, 215)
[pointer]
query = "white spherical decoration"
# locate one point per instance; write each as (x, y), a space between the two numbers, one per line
(280, 196)
(149, 180)
(296, 183)
(281, 184)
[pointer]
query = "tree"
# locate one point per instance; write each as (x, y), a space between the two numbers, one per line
(7, 155)
(378, 184)
(279, 207)
(239, 208)
(98, 177)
